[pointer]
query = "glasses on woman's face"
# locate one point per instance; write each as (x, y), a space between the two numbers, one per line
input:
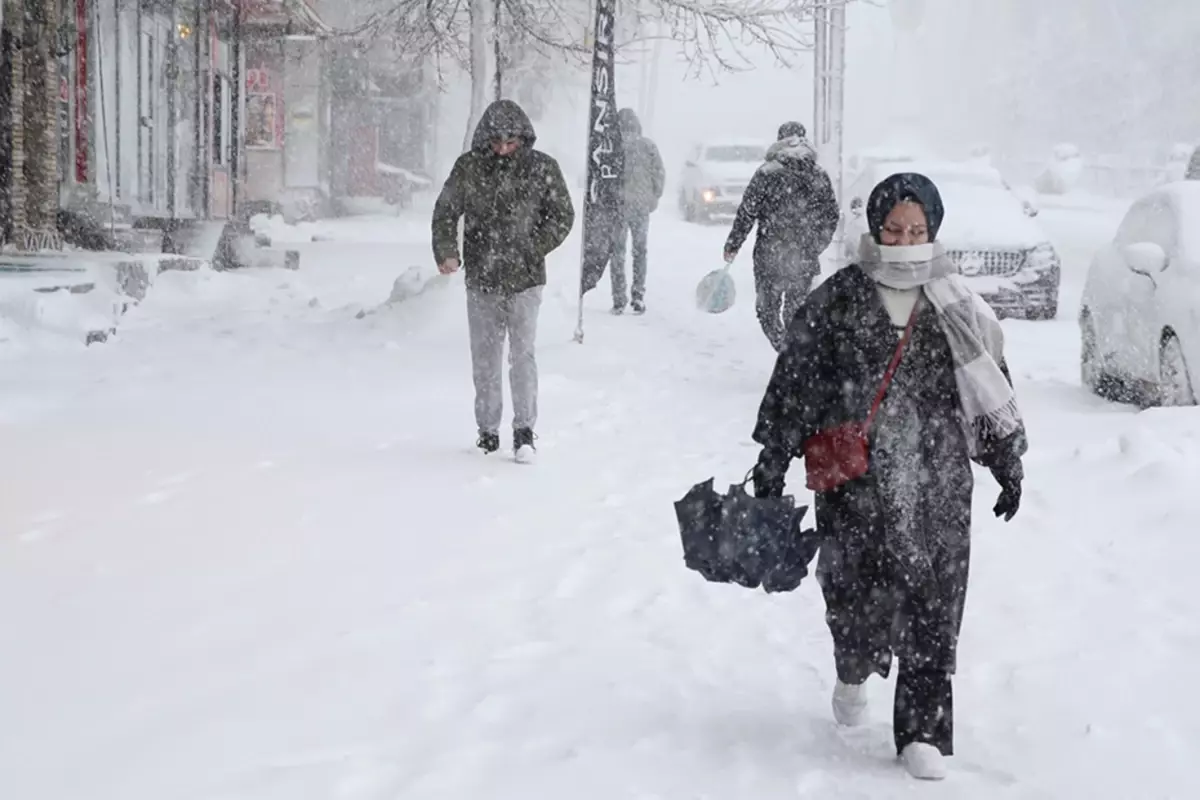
(894, 234)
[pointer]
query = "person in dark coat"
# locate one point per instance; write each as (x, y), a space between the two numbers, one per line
(516, 210)
(643, 184)
(896, 541)
(791, 199)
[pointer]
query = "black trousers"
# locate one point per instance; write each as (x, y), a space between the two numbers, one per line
(923, 710)
(875, 623)
(779, 295)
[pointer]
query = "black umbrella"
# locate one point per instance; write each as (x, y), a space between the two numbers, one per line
(742, 539)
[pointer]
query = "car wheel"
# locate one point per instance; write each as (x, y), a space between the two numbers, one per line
(1092, 374)
(689, 211)
(1174, 381)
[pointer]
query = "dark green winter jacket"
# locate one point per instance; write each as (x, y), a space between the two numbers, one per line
(516, 209)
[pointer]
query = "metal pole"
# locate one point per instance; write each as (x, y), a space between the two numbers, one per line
(837, 97)
(828, 98)
(820, 57)
(117, 90)
(496, 50)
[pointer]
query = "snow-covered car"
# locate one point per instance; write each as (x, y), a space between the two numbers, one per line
(1193, 167)
(990, 233)
(1140, 317)
(715, 175)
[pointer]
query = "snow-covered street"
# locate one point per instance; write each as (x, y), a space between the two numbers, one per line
(249, 552)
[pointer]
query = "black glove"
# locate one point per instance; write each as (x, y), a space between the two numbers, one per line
(769, 474)
(1010, 497)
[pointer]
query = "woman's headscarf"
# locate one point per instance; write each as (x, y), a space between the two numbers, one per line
(901, 187)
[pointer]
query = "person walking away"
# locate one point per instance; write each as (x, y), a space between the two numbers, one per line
(516, 210)
(896, 539)
(643, 184)
(791, 199)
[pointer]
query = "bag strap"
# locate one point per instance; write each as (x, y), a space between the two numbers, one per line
(895, 363)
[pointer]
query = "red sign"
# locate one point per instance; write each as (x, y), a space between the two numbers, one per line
(258, 79)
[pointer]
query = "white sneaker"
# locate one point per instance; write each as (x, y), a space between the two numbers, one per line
(924, 762)
(850, 703)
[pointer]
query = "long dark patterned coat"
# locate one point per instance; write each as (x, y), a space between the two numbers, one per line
(896, 543)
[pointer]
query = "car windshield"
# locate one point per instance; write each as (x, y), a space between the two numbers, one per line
(971, 188)
(734, 153)
(965, 179)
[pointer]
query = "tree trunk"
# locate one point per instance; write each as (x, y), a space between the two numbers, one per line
(41, 115)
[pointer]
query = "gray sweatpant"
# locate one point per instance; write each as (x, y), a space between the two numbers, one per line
(490, 317)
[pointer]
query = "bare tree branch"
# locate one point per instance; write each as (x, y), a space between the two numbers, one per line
(714, 36)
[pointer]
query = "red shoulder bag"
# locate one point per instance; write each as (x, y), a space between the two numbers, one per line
(839, 455)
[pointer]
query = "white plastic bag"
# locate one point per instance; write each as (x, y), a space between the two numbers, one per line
(716, 291)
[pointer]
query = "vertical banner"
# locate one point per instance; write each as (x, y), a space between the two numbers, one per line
(602, 212)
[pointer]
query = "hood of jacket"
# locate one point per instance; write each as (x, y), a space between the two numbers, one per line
(631, 126)
(901, 187)
(502, 119)
(793, 148)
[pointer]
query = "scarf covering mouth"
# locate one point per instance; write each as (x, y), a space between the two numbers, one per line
(904, 266)
(972, 330)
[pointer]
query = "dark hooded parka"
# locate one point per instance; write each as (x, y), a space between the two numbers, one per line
(894, 560)
(516, 208)
(791, 199)
(645, 177)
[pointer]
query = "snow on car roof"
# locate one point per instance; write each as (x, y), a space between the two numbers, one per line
(981, 213)
(1185, 193)
(943, 171)
(757, 144)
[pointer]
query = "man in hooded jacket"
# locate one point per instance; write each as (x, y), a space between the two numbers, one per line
(643, 183)
(516, 210)
(792, 201)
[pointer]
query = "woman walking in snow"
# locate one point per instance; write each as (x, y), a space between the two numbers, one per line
(895, 526)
